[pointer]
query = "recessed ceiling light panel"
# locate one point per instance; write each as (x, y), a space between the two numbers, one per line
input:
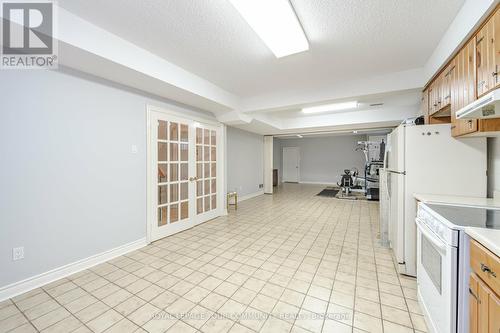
(276, 24)
(331, 107)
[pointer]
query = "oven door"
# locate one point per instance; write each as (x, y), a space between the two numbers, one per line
(437, 280)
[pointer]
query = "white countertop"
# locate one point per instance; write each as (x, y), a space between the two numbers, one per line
(457, 200)
(489, 238)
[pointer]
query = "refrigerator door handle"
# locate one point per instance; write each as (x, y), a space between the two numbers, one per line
(397, 172)
(388, 184)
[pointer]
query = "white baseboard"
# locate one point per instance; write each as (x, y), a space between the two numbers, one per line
(318, 183)
(39, 280)
(250, 196)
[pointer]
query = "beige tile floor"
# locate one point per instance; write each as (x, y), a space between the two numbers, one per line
(291, 262)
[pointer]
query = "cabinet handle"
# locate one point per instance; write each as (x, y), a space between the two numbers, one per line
(487, 270)
(474, 295)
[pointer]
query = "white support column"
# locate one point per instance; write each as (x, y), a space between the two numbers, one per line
(268, 164)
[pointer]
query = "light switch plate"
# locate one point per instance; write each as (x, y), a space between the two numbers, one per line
(18, 253)
(134, 149)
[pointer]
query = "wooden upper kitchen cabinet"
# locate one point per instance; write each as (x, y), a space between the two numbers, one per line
(471, 73)
(487, 66)
(440, 96)
(424, 105)
(484, 304)
(463, 80)
(487, 58)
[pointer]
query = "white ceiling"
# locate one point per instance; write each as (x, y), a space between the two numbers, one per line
(356, 46)
(348, 39)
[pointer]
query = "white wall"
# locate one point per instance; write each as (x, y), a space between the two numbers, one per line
(245, 161)
(493, 166)
(323, 159)
(70, 187)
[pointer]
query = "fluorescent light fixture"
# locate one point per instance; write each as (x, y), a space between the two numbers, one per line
(276, 24)
(299, 136)
(331, 107)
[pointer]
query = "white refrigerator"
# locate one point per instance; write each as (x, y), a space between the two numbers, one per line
(426, 159)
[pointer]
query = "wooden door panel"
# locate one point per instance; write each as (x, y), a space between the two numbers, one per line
(496, 47)
(481, 60)
(494, 313)
(471, 72)
(473, 304)
(491, 53)
(482, 308)
(463, 78)
(486, 55)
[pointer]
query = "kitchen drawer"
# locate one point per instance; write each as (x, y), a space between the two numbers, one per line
(486, 265)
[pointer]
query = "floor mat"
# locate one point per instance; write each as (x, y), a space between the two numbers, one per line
(328, 193)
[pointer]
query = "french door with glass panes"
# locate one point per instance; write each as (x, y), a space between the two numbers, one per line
(185, 173)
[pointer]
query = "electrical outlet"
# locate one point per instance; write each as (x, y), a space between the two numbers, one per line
(261, 185)
(18, 253)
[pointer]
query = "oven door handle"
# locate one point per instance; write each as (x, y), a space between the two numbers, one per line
(439, 244)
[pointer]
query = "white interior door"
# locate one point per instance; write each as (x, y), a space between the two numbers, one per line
(291, 164)
(184, 174)
(208, 163)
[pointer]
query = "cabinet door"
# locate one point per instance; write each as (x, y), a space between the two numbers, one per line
(449, 82)
(485, 57)
(494, 313)
(441, 87)
(484, 307)
(469, 126)
(473, 303)
(424, 108)
(432, 99)
(454, 96)
(481, 61)
(463, 78)
(496, 47)
(470, 73)
(439, 92)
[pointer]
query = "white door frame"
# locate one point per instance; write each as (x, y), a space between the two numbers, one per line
(221, 156)
(298, 162)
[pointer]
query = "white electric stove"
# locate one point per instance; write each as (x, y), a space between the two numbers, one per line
(443, 262)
